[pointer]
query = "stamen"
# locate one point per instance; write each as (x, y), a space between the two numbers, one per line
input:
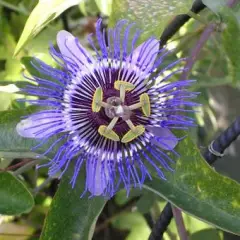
(128, 86)
(144, 104)
(105, 105)
(107, 131)
(97, 100)
(123, 86)
(130, 124)
(135, 106)
(122, 93)
(112, 123)
(134, 132)
(146, 108)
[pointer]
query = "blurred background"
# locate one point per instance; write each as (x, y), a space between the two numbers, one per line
(122, 218)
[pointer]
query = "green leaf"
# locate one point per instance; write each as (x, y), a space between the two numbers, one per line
(192, 224)
(215, 5)
(197, 189)
(134, 222)
(89, 8)
(151, 16)
(105, 6)
(146, 201)
(9, 138)
(12, 144)
(5, 99)
(212, 234)
(71, 217)
(231, 39)
(14, 196)
(42, 14)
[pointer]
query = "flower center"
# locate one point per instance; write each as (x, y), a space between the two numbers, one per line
(115, 108)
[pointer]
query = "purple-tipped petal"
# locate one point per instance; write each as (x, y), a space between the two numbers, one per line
(164, 138)
(145, 54)
(39, 126)
(71, 49)
(96, 179)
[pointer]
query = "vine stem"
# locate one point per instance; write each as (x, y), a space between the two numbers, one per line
(10, 168)
(201, 42)
(179, 21)
(27, 167)
(42, 186)
(177, 213)
(13, 7)
(196, 50)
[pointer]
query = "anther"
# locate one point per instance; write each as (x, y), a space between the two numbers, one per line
(134, 132)
(97, 100)
(123, 86)
(146, 108)
(107, 131)
(144, 104)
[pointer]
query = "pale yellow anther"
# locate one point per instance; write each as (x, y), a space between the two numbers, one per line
(110, 134)
(146, 107)
(133, 134)
(127, 85)
(97, 100)
(107, 131)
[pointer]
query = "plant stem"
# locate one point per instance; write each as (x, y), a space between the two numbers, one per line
(43, 185)
(196, 50)
(197, 17)
(177, 213)
(231, 3)
(179, 21)
(10, 168)
(201, 42)
(12, 155)
(13, 7)
(27, 167)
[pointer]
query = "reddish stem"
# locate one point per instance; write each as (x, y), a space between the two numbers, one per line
(17, 165)
(202, 40)
(177, 213)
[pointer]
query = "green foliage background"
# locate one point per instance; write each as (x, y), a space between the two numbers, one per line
(32, 206)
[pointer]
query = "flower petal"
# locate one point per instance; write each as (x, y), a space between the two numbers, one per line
(72, 50)
(96, 179)
(163, 137)
(39, 126)
(145, 54)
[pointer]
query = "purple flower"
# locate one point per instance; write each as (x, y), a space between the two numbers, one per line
(112, 110)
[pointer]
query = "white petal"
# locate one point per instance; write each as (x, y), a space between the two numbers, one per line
(145, 54)
(164, 138)
(29, 127)
(72, 50)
